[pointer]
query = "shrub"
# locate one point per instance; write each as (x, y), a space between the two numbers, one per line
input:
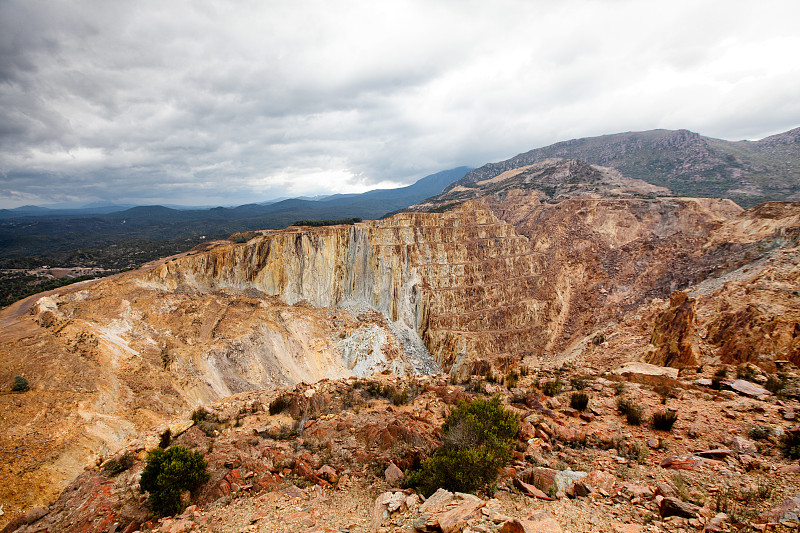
(118, 465)
(664, 420)
(206, 422)
(478, 439)
(552, 388)
(775, 384)
(790, 444)
(170, 472)
(512, 379)
(719, 375)
(579, 383)
(400, 397)
(579, 400)
(633, 412)
(20, 384)
(759, 432)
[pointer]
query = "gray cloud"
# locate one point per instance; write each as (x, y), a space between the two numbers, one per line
(222, 103)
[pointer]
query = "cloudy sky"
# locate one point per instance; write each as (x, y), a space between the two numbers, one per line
(222, 102)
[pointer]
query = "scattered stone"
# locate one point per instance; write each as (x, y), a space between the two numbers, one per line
(601, 481)
(716, 524)
(671, 506)
(588, 417)
(327, 473)
(437, 502)
(788, 510)
(788, 413)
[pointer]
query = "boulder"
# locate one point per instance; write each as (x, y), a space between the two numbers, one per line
(743, 446)
(393, 475)
(749, 389)
(671, 506)
(646, 369)
(456, 519)
(540, 522)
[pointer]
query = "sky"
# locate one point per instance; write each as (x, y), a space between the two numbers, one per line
(211, 102)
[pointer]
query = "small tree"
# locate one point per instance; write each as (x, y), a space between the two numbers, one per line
(20, 384)
(478, 438)
(170, 472)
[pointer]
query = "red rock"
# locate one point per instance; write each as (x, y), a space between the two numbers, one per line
(670, 506)
(455, 519)
(601, 481)
(686, 462)
(327, 473)
(530, 490)
(393, 475)
(542, 522)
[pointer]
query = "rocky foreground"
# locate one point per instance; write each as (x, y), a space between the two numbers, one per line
(331, 457)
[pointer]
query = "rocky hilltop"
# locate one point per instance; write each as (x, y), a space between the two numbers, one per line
(550, 264)
(689, 164)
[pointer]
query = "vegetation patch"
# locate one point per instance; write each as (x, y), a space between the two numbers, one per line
(664, 420)
(478, 440)
(326, 222)
(170, 472)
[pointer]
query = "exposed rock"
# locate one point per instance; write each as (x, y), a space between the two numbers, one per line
(674, 337)
(646, 369)
(530, 490)
(684, 462)
(393, 475)
(743, 446)
(749, 389)
(670, 506)
(542, 522)
(788, 510)
(455, 519)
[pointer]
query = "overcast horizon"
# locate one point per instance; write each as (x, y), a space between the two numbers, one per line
(227, 103)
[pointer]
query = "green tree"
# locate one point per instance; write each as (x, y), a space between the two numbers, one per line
(170, 472)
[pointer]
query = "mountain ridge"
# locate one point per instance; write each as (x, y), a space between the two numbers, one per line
(687, 163)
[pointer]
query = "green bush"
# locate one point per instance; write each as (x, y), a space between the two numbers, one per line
(20, 384)
(579, 400)
(170, 472)
(478, 440)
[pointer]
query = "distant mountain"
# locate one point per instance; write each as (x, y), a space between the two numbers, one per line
(41, 211)
(689, 164)
(39, 231)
